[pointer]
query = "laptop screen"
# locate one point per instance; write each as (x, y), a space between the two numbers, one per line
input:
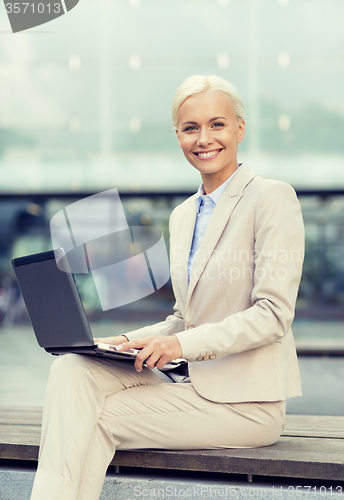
(53, 302)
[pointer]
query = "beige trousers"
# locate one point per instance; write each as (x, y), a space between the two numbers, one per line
(94, 407)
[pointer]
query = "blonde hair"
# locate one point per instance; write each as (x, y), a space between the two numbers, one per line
(197, 84)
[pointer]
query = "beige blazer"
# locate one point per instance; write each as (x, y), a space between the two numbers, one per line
(233, 319)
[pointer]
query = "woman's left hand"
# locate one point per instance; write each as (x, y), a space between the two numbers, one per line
(155, 351)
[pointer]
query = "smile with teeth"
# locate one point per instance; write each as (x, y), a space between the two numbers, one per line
(208, 154)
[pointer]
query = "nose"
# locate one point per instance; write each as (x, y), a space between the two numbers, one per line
(204, 137)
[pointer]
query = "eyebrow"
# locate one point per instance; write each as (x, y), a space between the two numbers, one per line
(211, 120)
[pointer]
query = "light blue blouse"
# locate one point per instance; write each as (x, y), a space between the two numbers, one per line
(205, 204)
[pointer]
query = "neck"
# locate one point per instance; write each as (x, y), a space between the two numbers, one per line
(214, 180)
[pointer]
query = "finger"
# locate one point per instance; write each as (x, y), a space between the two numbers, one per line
(161, 362)
(152, 360)
(146, 356)
(158, 357)
(139, 361)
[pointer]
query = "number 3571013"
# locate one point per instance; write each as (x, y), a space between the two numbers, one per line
(41, 8)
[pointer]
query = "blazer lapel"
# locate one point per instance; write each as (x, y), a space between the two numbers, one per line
(184, 242)
(217, 224)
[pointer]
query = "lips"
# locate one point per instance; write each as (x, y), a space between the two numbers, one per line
(207, 155)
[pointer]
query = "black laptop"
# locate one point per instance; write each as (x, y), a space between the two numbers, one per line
(55, 308)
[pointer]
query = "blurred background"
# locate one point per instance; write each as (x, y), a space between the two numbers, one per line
(85, 106)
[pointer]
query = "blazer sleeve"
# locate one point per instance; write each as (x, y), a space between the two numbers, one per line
(174, 323)
(278, 232)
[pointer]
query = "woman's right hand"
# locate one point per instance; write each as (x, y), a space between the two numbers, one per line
(111, 340)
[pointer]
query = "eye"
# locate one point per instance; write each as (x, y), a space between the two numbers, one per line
(190, 128)
(218, 125)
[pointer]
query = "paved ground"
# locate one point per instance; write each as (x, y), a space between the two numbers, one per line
(18, 483)
(24, 367)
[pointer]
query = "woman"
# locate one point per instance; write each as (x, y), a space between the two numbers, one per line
(236, 258)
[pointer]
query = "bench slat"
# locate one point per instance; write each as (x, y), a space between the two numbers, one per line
(290, 457)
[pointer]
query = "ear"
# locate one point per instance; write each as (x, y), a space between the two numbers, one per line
(178, 138)
(241, 130)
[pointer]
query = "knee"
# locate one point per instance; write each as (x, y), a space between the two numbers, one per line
(64, 363)
(68, 369)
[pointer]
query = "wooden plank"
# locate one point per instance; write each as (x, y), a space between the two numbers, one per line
(314, 426)
(19, 452)
(289, 457)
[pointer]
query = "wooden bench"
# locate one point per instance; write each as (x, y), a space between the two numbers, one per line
(311, 447)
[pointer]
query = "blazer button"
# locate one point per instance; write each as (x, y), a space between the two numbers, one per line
(212, 356)
(189, 327)
(206, 357)
(200, 358)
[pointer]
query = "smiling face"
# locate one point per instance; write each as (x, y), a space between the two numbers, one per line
(209, 133)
